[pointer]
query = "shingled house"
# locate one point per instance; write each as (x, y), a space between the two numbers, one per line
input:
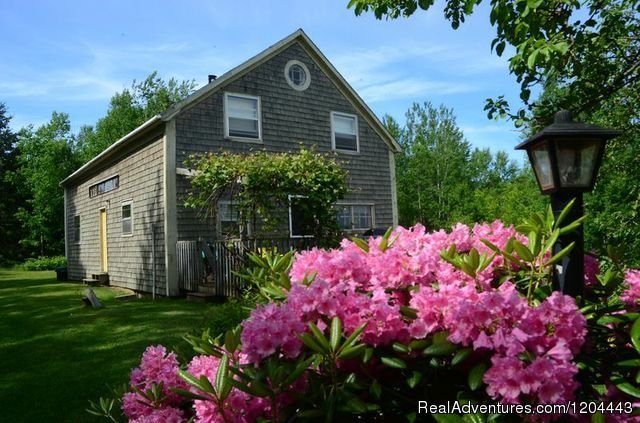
(123, 209)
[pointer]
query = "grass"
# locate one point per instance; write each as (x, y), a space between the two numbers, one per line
(56, 354)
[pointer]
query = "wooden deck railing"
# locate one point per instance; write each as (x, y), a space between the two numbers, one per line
(212, 266)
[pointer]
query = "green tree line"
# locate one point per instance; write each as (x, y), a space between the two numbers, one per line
(583, 56)
(34, 160)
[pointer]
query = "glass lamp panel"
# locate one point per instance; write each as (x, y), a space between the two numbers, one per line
(576, 162)
(541, 162)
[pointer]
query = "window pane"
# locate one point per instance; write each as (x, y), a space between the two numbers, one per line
(344, 217)
(126, 226)
(126, 220)
(362, 217)
(240, 107)
(297, 75)
(302, 221)
(227, 212)
(542, 165)
(346, 142)
(243, 127)
(344, 124)
(576, 163)
(76, 228)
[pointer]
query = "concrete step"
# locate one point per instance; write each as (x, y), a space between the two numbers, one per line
(91, 282)
(102, 277)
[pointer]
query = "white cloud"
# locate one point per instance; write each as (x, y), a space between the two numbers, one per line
(411, 88)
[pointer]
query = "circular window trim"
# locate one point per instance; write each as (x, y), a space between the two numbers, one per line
(304, 67)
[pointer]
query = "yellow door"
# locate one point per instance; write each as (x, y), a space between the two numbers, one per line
(103, 240)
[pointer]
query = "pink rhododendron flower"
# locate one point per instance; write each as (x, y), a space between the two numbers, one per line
(237, 407)
(156, 367)
(162, 415)
(631, 295)
(591, 270)
(370, 288)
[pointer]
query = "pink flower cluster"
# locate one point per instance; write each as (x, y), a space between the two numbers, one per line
(238, 406)
(370, 288)
(591, 270)
(156, 367)
(631, 295)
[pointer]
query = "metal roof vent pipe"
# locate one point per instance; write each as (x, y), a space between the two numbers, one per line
(212, 78)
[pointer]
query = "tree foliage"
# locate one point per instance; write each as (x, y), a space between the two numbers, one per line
(441, 180)
(261, 185)
(591, 47)
(10, 230)
(45, 157)
(129, 109)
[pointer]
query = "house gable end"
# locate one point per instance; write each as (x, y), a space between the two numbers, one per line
(300, 39)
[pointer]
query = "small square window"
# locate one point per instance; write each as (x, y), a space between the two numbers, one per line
(362, 217)
(344, 134)
(355, 216)
(76, 228)
(229, 220)
(344, 217)
(242, 116)
(127, 219)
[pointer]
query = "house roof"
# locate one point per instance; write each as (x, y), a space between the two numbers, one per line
(115, 148)
(301, 37)
(298, 36)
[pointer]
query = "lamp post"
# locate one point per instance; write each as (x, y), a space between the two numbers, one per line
(565, 157)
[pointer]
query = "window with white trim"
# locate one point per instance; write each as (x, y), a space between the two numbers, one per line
(344, 132)
(301, 219)
(297, 75)
(127, 218)
(355, 216)
(229, 223)
(76, 228)
(242, 117)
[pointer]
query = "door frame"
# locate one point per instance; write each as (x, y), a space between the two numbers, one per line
(102, 230)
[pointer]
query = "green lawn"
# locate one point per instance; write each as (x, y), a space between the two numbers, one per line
(56, 354)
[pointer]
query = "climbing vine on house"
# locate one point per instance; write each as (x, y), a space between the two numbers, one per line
(260, 185)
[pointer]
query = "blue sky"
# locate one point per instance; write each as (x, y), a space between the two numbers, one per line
(72, 56)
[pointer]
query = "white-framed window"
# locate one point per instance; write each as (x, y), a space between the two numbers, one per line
(127, 218)
(297, 75)
(242, 117)
(355, 216)
(76, 228)
(229, 222)
(301, 220)
(344, 132)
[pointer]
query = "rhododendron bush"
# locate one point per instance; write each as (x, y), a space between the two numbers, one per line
(375, 326)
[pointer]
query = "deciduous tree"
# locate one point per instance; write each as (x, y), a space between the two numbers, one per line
(129, 109)
(10, 230)
(591, 47)
(45, 157)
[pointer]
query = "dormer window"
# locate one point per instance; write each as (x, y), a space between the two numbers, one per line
(242, 117)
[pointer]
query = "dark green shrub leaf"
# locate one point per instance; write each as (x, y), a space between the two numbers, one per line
(394, 362)
(475, 376)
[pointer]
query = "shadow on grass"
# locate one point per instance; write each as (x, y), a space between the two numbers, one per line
(57, 354)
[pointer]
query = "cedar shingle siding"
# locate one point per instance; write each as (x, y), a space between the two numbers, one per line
(129, 257)
(289, 117)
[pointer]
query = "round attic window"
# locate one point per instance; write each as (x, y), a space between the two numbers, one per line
(297, 75)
